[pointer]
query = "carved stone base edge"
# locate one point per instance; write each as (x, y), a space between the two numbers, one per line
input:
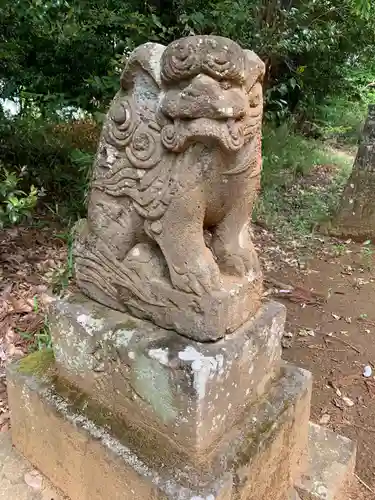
(67, 445)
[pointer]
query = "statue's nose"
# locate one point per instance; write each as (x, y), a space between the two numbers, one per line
(230, 105)
(222, 104)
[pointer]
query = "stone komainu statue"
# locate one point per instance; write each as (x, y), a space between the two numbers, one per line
(174, 182)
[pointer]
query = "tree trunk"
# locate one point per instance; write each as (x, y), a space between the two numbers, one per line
(355, 217)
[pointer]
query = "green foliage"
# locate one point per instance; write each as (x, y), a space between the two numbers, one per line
(58, 53)
(15, 204)
(291, 203)
(55, 162)
(340, 118)
(63, 275)
(57, 57)
(306, 45)
(69, 53)
(339, 121)
(40, 340)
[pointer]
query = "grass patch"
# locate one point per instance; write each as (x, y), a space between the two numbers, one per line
(302, 182)
(340, 122)
(41, 339)
(62, 276)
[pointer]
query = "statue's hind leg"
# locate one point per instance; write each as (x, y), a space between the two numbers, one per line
(99, 267)
(231, 242)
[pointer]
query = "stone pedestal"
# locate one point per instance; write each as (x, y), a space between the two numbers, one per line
(123, 409)
(160, 381)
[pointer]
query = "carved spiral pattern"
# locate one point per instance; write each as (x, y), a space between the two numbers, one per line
(170, 137)
(216, 56)
(180, 60)
(145, 150)
(123, 121)
(235, 136)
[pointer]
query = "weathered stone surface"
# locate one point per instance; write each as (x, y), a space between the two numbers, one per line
(355, 217)
(62, 436)
(174, 183)
(189, 391)
(14, 469)
(331, 466)
(294, 495)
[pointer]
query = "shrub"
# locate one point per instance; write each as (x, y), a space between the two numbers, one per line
(58, 157)
(15, 204)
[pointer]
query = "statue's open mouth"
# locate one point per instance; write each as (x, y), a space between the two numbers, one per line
(230, 133)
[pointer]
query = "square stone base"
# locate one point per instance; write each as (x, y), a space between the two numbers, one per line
(330, 467)
(20, 481)
(90, 455)
(191, 392)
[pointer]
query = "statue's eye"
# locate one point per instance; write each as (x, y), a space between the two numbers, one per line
(225, 85)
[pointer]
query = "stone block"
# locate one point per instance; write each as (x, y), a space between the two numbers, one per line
(68, 437)
(191, 392)
(330, 467)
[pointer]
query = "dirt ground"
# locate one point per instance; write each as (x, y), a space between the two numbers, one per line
(330, 330)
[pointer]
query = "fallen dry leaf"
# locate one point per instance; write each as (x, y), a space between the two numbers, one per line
(348, 401)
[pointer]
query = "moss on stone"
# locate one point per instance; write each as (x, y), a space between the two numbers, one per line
(154, 447)
(38, 363)
(129, 324)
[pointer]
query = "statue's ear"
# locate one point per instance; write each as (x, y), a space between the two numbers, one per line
(255, 69)
(145, 58)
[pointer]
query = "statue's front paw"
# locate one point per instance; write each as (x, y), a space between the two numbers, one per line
(233, 265)
(197, 276)
(236, 261)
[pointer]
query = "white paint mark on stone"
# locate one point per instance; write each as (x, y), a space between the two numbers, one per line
(136, 252)
(226, 111)
(131, 355)
(204, 367)
(90, 324)
(160, 355)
